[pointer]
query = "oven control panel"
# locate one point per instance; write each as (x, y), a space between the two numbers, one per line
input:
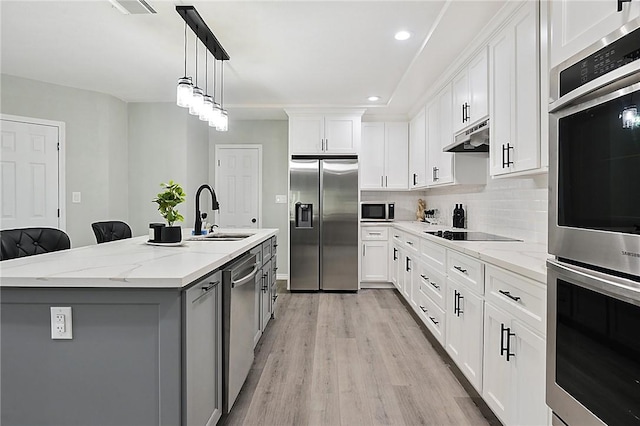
(617, 54)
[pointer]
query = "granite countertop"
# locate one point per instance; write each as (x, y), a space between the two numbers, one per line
(527, 259)
(129, 263)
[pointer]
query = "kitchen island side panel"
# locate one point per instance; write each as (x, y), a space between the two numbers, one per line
(122, 366)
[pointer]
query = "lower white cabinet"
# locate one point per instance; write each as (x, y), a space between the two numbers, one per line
(202, 394)
(394, 265)
(265, 294)
(374, 264)
(514, 370)
(464, 331)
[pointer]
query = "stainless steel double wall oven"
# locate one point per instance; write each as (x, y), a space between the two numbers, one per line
(593, 338)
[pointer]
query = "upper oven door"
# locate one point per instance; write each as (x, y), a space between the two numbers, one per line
(594, 212)
(593, 347)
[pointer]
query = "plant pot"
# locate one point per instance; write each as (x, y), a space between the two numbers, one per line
(171, 234)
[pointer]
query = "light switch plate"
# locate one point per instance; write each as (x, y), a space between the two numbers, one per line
(281, 199)
(76, 197)
(61, 324)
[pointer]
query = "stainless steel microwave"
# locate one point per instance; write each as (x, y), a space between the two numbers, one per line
(377, 211)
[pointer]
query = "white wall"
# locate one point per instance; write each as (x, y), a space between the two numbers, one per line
(96, 147)
(165, 143)
(273, 136)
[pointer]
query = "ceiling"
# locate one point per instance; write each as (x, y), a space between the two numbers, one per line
(283, 53)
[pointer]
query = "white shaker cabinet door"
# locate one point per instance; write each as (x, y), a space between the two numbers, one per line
(306, 134)
(374, 261)
(418, 151)
(396, 154)
(341, 134)
(372, 156)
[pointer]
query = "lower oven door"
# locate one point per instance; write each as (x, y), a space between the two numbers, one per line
(593, 346)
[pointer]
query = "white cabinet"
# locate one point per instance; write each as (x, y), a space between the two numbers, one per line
(576, 25)
(464, 331)
(439, 134)
(514, 94)
(326, 133)
(514, 370)
(418, 150)
(375, 253)
(384, 156)
(445, 168)
(514, 349)
(265, 294)
(471, 93)
(203, 352)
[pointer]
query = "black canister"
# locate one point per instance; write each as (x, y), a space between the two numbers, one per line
(155, 232)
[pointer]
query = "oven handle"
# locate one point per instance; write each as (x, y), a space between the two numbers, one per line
(600, 282)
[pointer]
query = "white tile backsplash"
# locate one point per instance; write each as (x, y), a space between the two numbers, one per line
(512, 207)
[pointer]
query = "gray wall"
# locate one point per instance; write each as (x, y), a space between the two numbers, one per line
(273, 135)
(95, 147)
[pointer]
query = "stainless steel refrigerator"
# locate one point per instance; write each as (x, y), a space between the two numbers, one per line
(323, 223)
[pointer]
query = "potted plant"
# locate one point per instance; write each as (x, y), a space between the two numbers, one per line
(167, 201)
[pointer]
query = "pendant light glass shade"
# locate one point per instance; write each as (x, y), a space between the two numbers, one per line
(207, 108)
(216, 114)
(197, 101)
(184, 92)
(223, 125)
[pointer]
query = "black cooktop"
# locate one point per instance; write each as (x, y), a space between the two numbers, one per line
(468, 236)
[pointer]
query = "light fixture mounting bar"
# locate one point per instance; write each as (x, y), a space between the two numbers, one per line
(200, 29)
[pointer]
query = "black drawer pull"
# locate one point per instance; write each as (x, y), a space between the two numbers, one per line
(461, 269)
(424, 277)
(433, 320)
(509, 295)
(423, 309)
(436, 286)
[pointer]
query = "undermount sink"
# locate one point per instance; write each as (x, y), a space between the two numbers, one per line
(220, 236)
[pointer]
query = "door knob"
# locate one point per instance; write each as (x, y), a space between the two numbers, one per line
(253, 220)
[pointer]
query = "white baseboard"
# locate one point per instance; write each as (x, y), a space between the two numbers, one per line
(282, 277)
(376, 285)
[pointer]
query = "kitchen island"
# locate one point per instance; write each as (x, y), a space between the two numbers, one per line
(127, 362)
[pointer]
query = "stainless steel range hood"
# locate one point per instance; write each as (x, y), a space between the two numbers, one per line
(473, 139)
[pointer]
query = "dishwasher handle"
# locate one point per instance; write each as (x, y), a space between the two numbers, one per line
(246, 278)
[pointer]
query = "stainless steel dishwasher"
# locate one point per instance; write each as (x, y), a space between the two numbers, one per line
(238, 295)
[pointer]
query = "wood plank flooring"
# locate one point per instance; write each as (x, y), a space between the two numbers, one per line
(350, 359)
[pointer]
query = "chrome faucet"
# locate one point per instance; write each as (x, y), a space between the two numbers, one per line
(197, 227)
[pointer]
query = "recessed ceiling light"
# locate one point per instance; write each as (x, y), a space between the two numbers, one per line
(374, 98)
(402, 35)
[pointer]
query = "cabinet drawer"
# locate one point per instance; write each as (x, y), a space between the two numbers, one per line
(274, 245)
(466, 271)
(412, 243)
(432, 316)
(434, 254)
(432, 284)
(371, 233)
(523, 298)
(397, 237)
(266, 251)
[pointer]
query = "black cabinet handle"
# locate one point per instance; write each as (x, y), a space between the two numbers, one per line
(395, 253)
(456, 303)
(433, 320)
(459, 268)
(463, 119)
(436, 286)
(415, 178)
(506, 350)
(275, 296)
(503, 164)
(408, 265)
(423, 309)
(460, 297)
(620, 4)
(509, 148)
(509, 295)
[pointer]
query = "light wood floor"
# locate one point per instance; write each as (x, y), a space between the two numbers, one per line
(350, 359)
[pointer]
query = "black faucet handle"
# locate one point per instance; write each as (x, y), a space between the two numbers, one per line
(203, 215)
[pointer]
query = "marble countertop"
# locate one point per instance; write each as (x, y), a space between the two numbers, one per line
(527, 259)
(129, 263)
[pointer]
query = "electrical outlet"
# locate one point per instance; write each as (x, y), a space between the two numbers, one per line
(61, 323)
(281, 199)
(76, 197)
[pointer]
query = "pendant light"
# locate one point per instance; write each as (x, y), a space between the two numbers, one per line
(215, 117)
(207, 101)
(184, 90)
(223, 123)
(198, 94)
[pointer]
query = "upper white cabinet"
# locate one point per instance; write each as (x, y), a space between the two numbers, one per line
(471, 93)
(514, 94)
(324, 133)
(383, 156)
(418, 150)
(576, 25)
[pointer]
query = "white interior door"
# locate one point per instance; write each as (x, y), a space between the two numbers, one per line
(238, 185)
(29, 185)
